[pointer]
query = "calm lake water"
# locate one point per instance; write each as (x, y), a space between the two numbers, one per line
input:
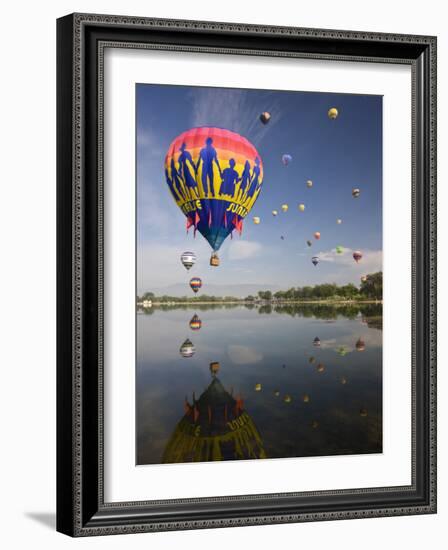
(272, 391)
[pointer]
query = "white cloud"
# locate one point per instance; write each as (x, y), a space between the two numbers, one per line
(242, 250)
(372, 260)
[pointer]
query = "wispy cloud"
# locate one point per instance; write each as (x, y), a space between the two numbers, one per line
(234, 110)
(242, 250)
(371, 259)
(243, 355)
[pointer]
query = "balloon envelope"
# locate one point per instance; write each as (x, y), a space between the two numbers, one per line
(286, 159)
(285, 207)
(357, 255)
(274, 212)
(215, 177)
(309, 243)
(256, 220)
(195, 284)
(317, 235)
(339, 249)
(195, 323)
(356, 192)
(187, 349)
(332, 113)
(188, 259)
(315, 260)
(302, 207)
(265, 117)
(309, 184)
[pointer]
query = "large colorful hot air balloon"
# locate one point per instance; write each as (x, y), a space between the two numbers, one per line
(357, 255)
(195, 284)
(215, 177)
(286, 159)
(188, 259)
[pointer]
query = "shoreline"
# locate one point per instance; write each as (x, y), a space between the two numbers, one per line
(265, 303)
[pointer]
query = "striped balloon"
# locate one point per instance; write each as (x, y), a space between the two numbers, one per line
(188, 259)
(195, 323)
(195, 284)
(215, 177)
(187, 349)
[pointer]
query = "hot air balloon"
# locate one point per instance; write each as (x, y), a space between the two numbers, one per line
(215, 177)
(309, 243)
(342, 351)
(360, 345)
(339, 249)
(287, 398)
(286, 159)
(343, 380)
(265, 117)
(364, 278)
(315, 260)
(357, 255)
(332, 113)
(356, 192)
(316, 342)
(317, 235)
(187, 349)
(257, 387)
(195, 323)
(363, 412)
(276, 393)
(302, 207)
(312, 360)
(274, 212)
(309, 184)
(282, 237)
(285, 207)
(339, 221)
(195, 284)
(188, 259)
(306, 398)
(320, 367)
(256, 220)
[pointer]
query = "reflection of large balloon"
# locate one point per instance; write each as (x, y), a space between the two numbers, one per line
(195, 322)
(317, 235)
(315, 260)
(286, 159)
(332, 113)
(195, 284)
(188, 259)
(357, 255)
(265, 117)
(187, 349)
(215, 177)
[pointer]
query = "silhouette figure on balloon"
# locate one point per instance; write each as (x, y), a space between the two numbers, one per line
(185, 160)
(208, 156)
(230, 178)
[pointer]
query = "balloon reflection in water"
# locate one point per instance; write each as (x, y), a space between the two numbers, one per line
(316, 342)
(287, 398)
(187, 349)
(320, 367)
(360, 345)
(214, 427)
(195, 322)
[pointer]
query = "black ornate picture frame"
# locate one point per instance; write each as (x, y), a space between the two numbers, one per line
(81, 508)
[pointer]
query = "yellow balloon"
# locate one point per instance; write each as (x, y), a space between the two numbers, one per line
(309, 183)
(302, 207)
(257, 387)
(332, 113)
(256, 220)
(285, 207)
(287, 398)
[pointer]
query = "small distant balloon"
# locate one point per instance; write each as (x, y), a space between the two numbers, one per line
(306, 398)
(274, 212)
(339, 249)
(357, 255)
(286, 159)
(342, 351)
(257, 387)
(312, 360)
(339, 221)
(287, 398)
(256, 220)
(302, 207)
(314, 260)
(187, 349)
(285, 207)
(309, 243)
(356, 192)
(360, 345)
(363, 412)
(320, 367)
(195, 323)
(316, 342)
(195, 284)
(332, 113)
(343, 380)
(188, 259)
(282, 237)
(317, 235)
(265, 117)
(309, 184)
(276, 393)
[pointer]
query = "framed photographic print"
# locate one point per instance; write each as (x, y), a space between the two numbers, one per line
(246, 274)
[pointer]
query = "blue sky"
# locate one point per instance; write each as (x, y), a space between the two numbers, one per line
(337, 155)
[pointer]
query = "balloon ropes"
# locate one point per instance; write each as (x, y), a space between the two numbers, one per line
(215, 178)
